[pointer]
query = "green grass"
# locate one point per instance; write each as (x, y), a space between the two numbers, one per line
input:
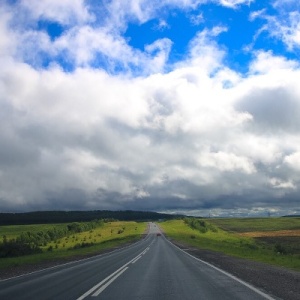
(257, 224)
(110, 235)
(229, 243)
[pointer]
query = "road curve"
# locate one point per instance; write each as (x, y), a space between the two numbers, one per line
(150, 269)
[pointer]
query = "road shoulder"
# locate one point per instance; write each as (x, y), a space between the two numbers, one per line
(279, 282)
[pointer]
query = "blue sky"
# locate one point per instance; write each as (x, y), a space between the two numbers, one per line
(243, 32)
(177, 106)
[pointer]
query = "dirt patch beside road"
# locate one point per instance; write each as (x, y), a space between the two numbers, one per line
(278, 282)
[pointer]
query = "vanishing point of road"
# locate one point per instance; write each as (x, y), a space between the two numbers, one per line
(152, 268)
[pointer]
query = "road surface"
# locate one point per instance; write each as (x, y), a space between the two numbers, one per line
(149, 269)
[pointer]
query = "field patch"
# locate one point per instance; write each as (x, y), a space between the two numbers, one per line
(278, 233)
(256, 224)
(285, 242)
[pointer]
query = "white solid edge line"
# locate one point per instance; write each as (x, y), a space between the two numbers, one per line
(102, 288)
(227, 274)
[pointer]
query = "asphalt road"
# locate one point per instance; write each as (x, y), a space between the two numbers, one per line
(150, 269)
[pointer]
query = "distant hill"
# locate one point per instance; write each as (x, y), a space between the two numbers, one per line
(47, 217)
(291, 216)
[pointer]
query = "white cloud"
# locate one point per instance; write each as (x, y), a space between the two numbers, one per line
(266, 62)
(197, 19)
(286, 29)
(257, 14)
(141, 11)
(83, 41)
(121, 135)
(234, 3)
(291, 31)
(88, 41)
(226, 162)
(293, 160)
(83, 44)
(262, 149)
(7, 40)
(279, 4)
(284, 25)
(271, 94)
(204, 51)
(279, 184)
(162, 25)
(64, 12)
(159, 50)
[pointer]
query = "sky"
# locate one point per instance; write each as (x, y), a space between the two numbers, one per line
(179, 106)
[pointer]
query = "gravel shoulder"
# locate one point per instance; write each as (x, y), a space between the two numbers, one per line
(277, 282)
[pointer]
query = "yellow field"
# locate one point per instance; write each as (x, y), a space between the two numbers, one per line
(109, 231)
(278, 233)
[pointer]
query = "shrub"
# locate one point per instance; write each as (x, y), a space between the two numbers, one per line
(197, 224)
(279, 248)
(83, 245)
(15, 248)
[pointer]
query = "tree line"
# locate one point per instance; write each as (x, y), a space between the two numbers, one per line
(50, 217)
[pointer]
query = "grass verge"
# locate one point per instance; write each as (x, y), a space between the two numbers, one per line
(110, 235)
(229, 243)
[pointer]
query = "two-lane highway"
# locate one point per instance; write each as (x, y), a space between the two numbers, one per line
(150, 269)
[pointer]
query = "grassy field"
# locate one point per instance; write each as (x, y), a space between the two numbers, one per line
(280, 250)
(110, 231)
(110, 235)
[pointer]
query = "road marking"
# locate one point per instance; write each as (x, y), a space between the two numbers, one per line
(145, 250)
(136, 259)
(104, 281)
(266, 296)
(108, 283)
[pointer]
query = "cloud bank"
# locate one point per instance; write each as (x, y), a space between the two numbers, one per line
(90, 122)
